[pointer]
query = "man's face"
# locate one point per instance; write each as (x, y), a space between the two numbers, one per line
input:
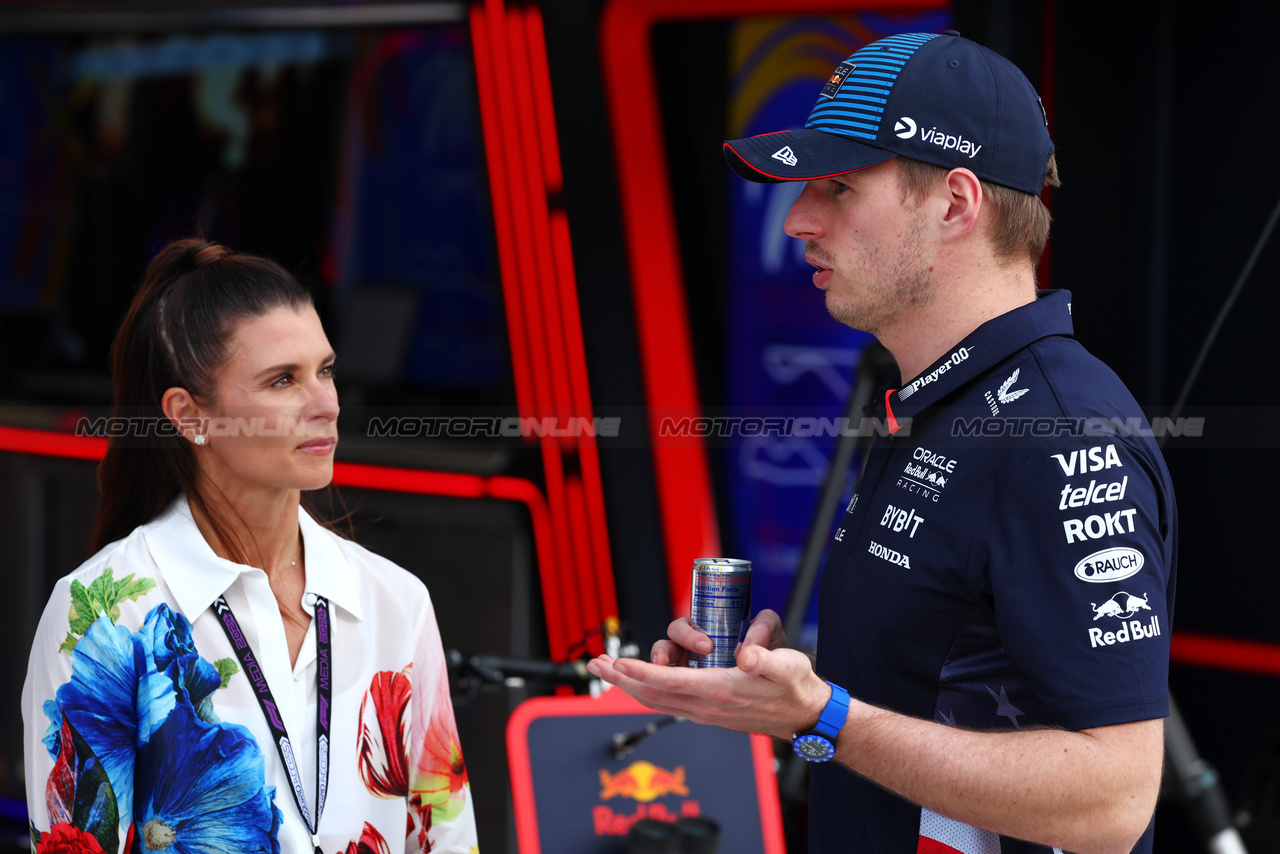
(868, 245)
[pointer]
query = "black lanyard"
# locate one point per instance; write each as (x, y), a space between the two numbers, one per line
(278, 734)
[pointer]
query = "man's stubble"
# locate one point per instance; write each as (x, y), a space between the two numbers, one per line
(887, 288)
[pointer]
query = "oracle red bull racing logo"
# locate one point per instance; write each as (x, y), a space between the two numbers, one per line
(1123, 606)
(644, 783)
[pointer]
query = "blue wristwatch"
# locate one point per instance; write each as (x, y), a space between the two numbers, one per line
(819, 743)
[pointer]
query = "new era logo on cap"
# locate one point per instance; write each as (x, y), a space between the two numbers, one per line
(786, 155)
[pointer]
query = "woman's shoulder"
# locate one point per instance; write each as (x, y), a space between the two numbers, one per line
(128, 555)
(119, 581)
(131, 554)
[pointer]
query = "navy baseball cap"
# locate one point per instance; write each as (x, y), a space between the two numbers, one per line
(938, 98)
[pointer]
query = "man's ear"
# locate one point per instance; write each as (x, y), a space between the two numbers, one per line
(184, 413)
(965, 201)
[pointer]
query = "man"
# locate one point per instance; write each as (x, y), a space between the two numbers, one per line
(995, 610)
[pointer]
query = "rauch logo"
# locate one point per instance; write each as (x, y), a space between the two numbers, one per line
(1114, 564)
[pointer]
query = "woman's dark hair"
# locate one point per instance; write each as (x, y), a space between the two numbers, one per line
(175, 333)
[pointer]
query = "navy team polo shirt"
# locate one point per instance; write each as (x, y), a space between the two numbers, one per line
(1007, 561)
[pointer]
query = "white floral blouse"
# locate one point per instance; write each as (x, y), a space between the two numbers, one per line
(142, 734)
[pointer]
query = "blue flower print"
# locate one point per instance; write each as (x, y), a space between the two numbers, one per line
(53, 736)
(115, 700)
(200, 790)
(166, 635)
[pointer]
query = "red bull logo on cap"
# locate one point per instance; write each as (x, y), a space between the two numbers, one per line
(645, 783)
(842, 72)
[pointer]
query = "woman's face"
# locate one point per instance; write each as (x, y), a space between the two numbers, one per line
(273, 425)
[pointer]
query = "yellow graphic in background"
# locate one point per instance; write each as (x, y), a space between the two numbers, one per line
(761, 62)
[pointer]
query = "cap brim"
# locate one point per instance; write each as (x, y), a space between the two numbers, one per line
(768, 158)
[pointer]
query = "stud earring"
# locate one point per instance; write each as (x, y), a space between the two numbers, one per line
(200, 439)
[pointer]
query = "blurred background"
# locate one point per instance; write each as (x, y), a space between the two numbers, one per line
(520, 210)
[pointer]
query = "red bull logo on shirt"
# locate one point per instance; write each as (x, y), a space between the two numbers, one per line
(1122, 606)
(1113, 607)
(644, 783)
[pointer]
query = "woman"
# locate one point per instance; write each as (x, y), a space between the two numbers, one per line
(225, 674)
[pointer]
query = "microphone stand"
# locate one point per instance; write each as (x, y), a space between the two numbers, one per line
(875, 368)
(513, 672)
(1196, 786)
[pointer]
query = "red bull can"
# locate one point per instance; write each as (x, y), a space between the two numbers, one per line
(721, 604)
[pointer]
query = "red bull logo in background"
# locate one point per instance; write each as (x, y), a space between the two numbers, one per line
(644, 783)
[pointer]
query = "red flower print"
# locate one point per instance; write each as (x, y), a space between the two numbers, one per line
(67, 839)
(371, 842)
(439, 791)
(419, 822)
(77, 777)
(60, 790)
(440, 779)
(384, 734)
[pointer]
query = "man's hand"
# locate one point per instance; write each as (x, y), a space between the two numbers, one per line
(773, 690)
(685, 637)
(1088, 791)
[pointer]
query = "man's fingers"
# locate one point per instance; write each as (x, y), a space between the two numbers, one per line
(758, 634)
(766, 631)
(769, 692)
(776, 665)
(689, 636)
(601, 667)
(666, 652)
(662, 689)
(758, 661)
(685, 637)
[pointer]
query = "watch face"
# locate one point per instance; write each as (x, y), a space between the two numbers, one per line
(815, 748)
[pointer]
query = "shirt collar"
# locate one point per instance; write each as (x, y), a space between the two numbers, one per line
(329, 574)
(985, 347)
(196, 576)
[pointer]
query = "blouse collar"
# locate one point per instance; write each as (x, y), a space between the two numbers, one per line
(196, 576)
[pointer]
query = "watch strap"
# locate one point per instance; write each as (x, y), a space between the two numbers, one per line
(834, 714)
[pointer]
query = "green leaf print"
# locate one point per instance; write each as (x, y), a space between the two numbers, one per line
(226, 668)
(106, 593)
(103, 596)
(82, 613)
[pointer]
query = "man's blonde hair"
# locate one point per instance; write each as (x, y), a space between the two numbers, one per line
(1019, 223)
